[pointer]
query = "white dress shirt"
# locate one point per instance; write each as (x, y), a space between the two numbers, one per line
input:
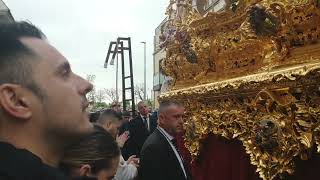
(125, 171)
(169, 138)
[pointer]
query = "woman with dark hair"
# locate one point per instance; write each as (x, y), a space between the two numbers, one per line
(95, 157)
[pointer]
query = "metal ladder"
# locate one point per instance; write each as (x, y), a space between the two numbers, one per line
(117, 47)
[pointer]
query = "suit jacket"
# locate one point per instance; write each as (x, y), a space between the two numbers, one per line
(138, 134)
(158, 161)
(124, 127)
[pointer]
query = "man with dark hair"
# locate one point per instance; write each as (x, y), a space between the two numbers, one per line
(116, 106)
(126, 117)
(42, 104)
(140, 128)
(111, 121)
(160, 157)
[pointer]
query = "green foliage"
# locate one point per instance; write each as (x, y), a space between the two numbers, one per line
(101, 105)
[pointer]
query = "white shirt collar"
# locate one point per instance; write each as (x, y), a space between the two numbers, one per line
(166, 134)
(144, 116)
(169, 138)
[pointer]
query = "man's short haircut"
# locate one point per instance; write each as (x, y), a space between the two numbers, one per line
(15, 57)
(94, 116)
(165, 104)
(109, 115)
(139, 104)
(126, 114)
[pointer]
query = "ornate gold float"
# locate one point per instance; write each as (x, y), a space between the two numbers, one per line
(250, 72)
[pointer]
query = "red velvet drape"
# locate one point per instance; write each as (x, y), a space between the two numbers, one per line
(222, 159)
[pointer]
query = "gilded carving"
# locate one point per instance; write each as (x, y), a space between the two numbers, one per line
(250, 73)
(258, 35)
(276, 115)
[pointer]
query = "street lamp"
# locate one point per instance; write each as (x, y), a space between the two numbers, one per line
(145, 72)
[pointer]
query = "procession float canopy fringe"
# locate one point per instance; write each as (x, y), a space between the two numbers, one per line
(250, 72)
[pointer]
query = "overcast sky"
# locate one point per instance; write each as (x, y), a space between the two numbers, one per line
(81, 31)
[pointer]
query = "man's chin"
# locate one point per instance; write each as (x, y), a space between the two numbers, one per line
(82, 131)
(76, 133)
(179, 130)
(86, 126)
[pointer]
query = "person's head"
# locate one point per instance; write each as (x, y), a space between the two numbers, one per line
(111, 121)
(170, 117)
(97, 155)
(143, 108)
(116, 106)
(126, 116)
(40, 97)
(94, 116)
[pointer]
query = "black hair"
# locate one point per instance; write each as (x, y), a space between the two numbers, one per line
(94, 116)
(126, 114)
(15, 57)
(109, 115)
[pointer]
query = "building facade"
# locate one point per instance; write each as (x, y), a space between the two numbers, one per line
(158, 56)
(5, 14)
(203, 7)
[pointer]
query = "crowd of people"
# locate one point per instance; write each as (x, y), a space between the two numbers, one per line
(45, 131)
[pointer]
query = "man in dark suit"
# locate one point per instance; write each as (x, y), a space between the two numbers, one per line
(139, 128)
(160, 158)
(126, 117)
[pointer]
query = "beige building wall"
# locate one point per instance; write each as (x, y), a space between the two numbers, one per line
(158, 56)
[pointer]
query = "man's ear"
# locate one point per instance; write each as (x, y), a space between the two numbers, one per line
(160, 117)
(108, 124)
(14, 101)
(85, 170)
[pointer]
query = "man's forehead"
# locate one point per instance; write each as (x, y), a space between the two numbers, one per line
(141, 104)
(43, 50)
(175, 109)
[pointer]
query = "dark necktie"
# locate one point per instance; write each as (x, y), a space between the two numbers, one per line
(145, 122)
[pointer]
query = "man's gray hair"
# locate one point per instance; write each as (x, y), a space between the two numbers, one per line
(165, 104)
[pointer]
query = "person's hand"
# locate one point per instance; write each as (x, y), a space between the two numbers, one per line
(121, 139)
(133, 160)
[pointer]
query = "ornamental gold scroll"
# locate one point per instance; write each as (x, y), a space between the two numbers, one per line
(276, 115)
(248, 37)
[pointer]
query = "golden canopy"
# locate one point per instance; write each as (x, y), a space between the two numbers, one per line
(250, 72)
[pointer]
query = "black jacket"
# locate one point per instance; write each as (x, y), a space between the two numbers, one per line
(138, 135)
(19, 164)
(158, 161)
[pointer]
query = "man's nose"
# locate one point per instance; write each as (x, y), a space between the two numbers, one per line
(181, 119)
(85, 86)
(88, 88)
